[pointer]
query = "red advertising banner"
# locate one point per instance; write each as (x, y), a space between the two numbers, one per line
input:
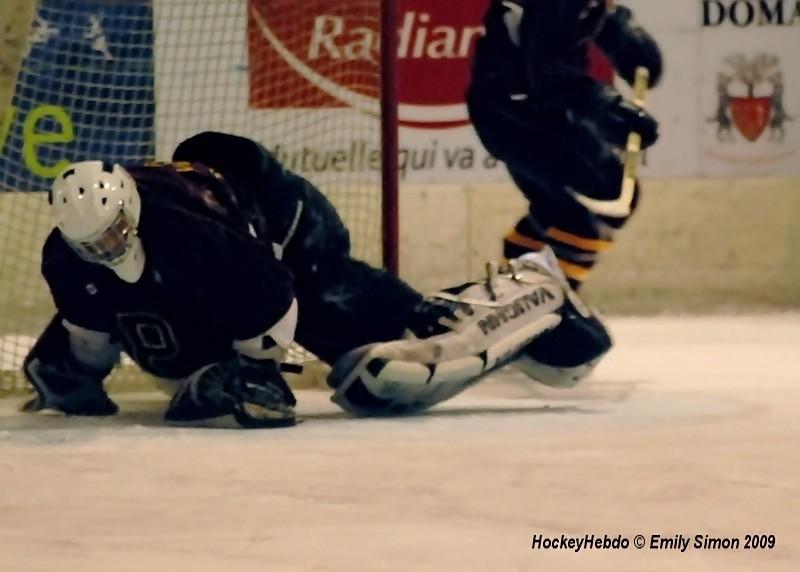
(333, 45)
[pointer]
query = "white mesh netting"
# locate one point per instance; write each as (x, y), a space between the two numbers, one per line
(126, 80)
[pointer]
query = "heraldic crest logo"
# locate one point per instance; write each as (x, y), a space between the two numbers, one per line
(760, 105)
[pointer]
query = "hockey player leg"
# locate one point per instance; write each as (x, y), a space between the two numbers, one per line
(578, 237)
(568, 353)
(454, 339)
(350, 304)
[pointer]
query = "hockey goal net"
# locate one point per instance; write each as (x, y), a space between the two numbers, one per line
(126, 80)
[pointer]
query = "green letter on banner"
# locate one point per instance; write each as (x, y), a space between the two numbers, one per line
(32, 138)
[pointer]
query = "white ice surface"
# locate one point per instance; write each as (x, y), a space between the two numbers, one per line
(690, 426)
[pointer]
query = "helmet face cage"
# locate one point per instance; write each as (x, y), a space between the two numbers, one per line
(97, 208)
(109, 245)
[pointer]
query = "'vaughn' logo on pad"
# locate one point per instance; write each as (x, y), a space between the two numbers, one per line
(514, 310)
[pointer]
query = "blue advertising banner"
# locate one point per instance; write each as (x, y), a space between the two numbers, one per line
(86, 90)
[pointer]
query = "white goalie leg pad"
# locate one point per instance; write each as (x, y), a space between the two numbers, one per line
(496, 321)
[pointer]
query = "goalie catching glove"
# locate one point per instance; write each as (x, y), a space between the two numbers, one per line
(252, 392)
(459, 335)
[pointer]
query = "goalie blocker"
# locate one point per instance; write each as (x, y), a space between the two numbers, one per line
(524, 314)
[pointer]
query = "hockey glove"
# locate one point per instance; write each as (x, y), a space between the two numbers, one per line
(625, 118)
(253, 392)
(616, 118)
(67, 386)
(63, 383)
(629, 46)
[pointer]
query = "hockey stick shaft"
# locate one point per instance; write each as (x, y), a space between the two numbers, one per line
(621, 207)
(633, 149)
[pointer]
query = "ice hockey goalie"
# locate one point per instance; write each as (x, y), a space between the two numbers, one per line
(206, 268)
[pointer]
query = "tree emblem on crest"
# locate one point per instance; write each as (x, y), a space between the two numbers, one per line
(751, 114)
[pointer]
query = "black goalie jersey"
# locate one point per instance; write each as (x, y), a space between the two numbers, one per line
(207, 280)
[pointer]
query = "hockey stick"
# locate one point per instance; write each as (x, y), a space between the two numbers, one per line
(16, 17)
(622, 206)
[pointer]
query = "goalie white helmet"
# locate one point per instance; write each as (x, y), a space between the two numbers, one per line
(97, 209)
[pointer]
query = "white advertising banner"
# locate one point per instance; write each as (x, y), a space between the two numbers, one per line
(731, 89)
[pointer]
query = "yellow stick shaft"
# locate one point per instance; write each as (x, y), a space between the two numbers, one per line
(634, 147)
(622, 206)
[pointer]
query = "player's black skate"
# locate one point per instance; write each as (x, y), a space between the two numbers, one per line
(566, 354)
(563, 356)
(251, 393)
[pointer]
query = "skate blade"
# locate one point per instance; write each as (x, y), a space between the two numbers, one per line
(233, 422)
(254, 416)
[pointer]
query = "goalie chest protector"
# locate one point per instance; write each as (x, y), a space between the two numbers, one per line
(206, 281)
